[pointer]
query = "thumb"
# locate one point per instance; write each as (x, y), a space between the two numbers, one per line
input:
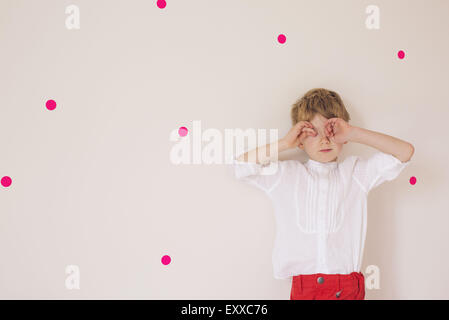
(301, 137)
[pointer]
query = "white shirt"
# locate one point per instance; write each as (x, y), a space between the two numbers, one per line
(320, 209)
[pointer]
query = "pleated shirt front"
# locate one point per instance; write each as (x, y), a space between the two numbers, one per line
(320, 209)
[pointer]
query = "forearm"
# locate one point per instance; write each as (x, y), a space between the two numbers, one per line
(266, 153)
(400, 149)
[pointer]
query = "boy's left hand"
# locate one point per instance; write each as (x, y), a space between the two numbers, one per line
(338, 130)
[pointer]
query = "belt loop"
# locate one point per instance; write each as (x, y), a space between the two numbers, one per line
(358, 281)
(338, 275)
(300, 282)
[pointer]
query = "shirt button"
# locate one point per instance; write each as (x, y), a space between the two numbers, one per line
(320, 280)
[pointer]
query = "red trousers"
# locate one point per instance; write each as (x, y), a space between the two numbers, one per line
(321, 286)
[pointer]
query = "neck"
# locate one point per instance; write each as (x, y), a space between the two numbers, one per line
(322, 165)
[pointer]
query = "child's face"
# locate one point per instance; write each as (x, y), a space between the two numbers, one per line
(313, 145)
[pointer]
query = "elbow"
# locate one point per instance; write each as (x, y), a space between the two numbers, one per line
(410, 152)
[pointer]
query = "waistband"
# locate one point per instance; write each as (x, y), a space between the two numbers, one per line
(327, 280)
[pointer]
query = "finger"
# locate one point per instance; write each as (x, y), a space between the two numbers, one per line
(309, 131)
(309, 124)
(305, 133)
(303, 124)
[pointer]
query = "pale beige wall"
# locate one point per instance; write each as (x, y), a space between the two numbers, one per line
(92, 183)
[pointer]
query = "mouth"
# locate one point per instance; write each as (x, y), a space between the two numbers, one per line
(325, 150)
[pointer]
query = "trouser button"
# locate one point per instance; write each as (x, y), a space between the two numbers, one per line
(320, 280)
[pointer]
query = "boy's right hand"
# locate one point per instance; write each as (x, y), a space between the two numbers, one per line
(298, 133)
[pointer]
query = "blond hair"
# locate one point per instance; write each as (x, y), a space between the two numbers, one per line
(319, 100)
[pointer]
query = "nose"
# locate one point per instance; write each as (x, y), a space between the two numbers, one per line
(322, 136)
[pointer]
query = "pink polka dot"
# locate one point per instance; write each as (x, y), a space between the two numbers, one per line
(161, 4)
(282, 38)
(6, 181)
(182, 131)
(166, 260)
(51, 104)
(412, 180)
(401, 54)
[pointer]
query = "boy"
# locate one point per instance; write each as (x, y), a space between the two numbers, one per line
(321, 205)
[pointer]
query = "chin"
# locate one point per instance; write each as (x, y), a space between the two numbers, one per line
(331, 155)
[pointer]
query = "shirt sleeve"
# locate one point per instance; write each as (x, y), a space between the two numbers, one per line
(377, 169)
(263, 176)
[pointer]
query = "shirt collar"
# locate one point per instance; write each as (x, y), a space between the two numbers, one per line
(322, 166)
